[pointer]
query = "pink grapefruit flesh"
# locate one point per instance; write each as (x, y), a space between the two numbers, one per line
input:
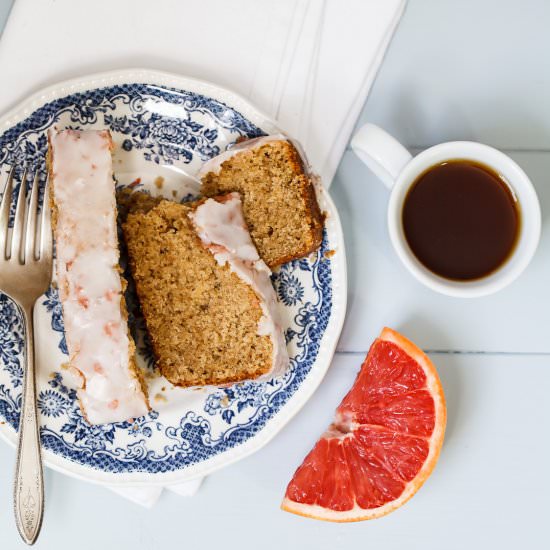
(384, 441)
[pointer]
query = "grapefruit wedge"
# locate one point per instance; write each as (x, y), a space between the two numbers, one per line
(384, 441)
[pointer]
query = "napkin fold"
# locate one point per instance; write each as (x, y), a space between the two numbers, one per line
(309, 64)
(147, 496)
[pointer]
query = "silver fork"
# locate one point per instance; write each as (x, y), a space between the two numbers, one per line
(25, 274)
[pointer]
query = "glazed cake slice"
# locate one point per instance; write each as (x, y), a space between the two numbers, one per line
(205, 294)
(279, 201)
(91, 289)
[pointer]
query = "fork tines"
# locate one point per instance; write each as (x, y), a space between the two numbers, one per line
(22, 246)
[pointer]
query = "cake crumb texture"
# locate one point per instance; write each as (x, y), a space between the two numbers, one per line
(202, 318)
(279, 201)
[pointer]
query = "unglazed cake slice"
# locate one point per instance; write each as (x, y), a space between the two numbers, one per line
(279, 201)
(205, 294)
(91, 289)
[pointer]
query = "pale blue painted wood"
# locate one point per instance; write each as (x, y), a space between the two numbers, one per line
(382, 292)
(470, 69)
(489, 490)
(5, 6)
(423, 100)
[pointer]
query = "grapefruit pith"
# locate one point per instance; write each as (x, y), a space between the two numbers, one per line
(384, 442)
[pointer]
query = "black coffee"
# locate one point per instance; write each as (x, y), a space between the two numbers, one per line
(461, 219)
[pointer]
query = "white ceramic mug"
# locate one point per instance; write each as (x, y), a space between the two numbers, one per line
(398, 169)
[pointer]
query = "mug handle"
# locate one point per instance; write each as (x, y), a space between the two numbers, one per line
(382, 153)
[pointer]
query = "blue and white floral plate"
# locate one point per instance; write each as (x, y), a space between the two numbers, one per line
(164, 126)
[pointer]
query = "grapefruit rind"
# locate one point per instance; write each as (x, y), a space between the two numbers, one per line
(357, 513)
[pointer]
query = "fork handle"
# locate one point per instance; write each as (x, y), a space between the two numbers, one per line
(28, 495)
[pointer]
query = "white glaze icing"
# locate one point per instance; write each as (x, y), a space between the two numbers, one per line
(214, 164)
(221, 227)
(89, 282)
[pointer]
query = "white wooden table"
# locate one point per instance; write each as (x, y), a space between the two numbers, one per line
(475, 69)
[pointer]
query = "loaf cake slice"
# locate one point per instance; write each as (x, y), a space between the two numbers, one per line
(279, 201)
(91, 289)
(205, 294)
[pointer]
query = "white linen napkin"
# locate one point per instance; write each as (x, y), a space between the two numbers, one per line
(309, 64)
(148, 496)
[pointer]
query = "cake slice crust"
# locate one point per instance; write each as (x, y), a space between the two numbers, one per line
(201, 317)
(279, 201)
